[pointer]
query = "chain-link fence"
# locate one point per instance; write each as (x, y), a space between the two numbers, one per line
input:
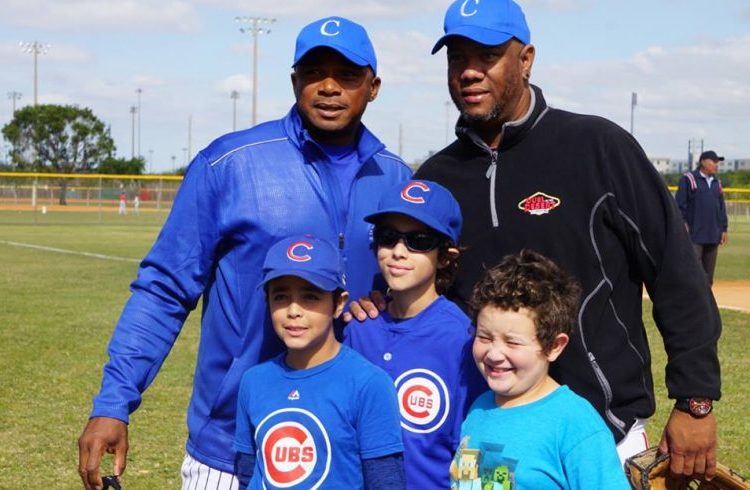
(80, 198)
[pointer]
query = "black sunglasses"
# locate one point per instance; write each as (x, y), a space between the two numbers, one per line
(415, 241)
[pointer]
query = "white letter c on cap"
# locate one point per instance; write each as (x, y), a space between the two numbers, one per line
(325, 32)
(464, 13)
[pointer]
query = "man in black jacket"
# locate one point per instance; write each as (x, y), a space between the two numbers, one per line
(580, 190)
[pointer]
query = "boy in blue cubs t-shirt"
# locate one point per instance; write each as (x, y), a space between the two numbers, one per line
(422, 339)
(528, 431)
(319, 415)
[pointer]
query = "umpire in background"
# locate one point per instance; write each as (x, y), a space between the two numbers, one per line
(701, 202)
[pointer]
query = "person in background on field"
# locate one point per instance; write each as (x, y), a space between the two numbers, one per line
(527, 431)
(316, 169)
(123, 209)
(136, 204)
(422, 340)
(340, 408)
(701, 202)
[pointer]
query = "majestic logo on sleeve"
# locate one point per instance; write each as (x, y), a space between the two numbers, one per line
(295, 252)
(423, 400)
(411, 192)
(539, 203)
(295, 449)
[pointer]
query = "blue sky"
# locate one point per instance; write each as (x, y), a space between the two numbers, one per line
(688, 60)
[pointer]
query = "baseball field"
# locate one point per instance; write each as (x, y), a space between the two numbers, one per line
(62, 287)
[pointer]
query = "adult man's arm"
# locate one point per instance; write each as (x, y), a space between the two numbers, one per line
(170, 280)
(684, 308)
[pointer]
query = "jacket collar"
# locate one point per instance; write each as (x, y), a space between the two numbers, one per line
(367, 144)
(512, 131)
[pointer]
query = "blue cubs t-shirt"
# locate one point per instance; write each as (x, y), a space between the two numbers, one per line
(429, 359)
(310, 428)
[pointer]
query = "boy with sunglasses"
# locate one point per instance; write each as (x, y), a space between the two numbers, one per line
(422, 340)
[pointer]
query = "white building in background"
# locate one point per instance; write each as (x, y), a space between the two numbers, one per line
(671, 166)
(735, 164)
(668, 165)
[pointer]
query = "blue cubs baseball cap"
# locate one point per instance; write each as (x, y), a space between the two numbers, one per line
(488, 22)
(425, 201)
(314, 260)
(340, 34)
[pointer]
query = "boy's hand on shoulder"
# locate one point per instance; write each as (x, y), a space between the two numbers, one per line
(365, 307)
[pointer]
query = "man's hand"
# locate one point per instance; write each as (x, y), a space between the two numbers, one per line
(724, 238)
(101, 434)
(691, 444)
(366, 306)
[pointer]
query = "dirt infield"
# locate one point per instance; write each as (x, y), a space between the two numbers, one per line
(733, 295)
(730, 295)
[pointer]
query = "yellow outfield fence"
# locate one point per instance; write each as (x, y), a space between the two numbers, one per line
(46, 192)
(51, 193)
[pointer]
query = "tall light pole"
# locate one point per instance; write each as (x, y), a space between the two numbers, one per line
(133, 110)
(234, 96)
(633, 103)
(36, 48)
(185, 156)
(173, 157)
(14, 96)
(138, 92)
(255, 26)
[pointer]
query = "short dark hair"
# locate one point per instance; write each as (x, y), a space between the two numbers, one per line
(446, 275)
(532, 281)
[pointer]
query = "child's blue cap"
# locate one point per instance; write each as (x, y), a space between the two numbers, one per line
(488, 22)
(340, 34)
(425, 201)
(314, 260)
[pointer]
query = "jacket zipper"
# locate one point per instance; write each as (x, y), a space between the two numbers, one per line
(492, 175)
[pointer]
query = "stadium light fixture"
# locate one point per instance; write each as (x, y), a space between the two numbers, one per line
(133, 110)
(14, 96)
(234, 96)
(36, 48)
(255, 26)
(138, 92)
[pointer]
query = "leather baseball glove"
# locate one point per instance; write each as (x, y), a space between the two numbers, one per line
(649, 470)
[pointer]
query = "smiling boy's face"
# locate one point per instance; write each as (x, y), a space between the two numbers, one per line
(302, 316)
(510, 357)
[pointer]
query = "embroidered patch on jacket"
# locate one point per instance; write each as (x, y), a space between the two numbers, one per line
(539, 203)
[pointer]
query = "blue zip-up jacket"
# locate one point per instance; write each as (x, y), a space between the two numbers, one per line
(240, 195)
(702, 207)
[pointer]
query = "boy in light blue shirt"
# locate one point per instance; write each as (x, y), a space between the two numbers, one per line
(528, 432)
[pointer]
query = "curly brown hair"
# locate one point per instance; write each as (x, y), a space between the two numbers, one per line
(532, 281)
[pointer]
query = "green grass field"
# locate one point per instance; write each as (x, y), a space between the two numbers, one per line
(57, 313)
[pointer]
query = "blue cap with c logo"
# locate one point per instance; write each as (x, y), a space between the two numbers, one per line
(342, 35)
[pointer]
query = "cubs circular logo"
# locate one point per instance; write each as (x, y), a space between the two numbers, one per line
(423, 400)
(408, 194)
(295, 449)
(293, 252)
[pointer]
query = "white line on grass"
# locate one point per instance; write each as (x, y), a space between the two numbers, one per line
(70, 252)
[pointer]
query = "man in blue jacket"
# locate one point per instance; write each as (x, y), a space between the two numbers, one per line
(317, 170)
(701, 202)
